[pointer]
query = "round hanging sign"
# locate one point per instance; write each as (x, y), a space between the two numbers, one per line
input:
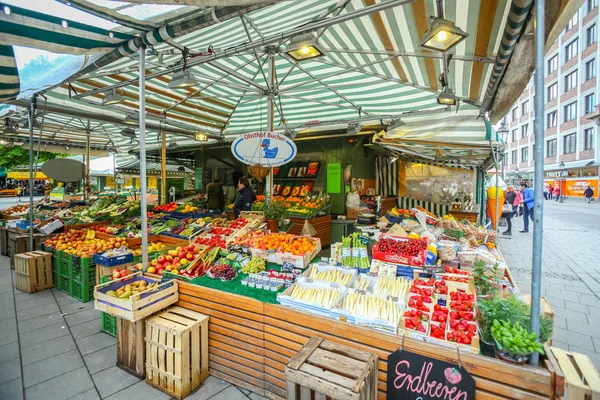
(265, 148)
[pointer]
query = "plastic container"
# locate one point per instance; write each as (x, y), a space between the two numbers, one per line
(63, 284)
(446, 250)
(109, 322)
(81, 292)
(113, 261)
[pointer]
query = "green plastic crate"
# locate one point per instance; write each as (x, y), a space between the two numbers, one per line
(81, 292)
(109, 322)
(63, 284)
(83, 275)
(65, 267)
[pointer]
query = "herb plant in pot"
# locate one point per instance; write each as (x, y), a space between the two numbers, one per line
(274, 213)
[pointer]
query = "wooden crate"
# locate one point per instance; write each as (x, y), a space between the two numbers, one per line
(33, 271)
(17, 244)
(131, 351)
(576, 377)
(323, 369)
(137, 306)
(321, 224)
(3, 241)
(177, 351)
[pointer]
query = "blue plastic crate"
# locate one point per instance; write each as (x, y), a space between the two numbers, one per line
(405, 270)
(113, 261)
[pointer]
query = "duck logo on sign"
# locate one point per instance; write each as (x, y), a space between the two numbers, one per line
(268, 149)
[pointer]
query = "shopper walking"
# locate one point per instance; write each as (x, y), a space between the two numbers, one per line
(528, 202)
(216, 197)
(245, 197)
(557, 194)
(509, 199)
(546, 192)
(517, 203)
(550, 191)
(589, 193)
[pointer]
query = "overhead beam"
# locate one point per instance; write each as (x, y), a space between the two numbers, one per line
(487, 15)
(420, 14)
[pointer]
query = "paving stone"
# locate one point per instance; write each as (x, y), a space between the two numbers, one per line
(101, 359)
(8, 325)
(567, 336)
(231, 393)
(95, 342)
(76, 306)
(32, 302)
(41, 322)
(61, 387)
(140, 391)
(578, 289)
(564, 295)
(81, 317)
(7, 313)
(47, 349)
(9, 351)
(91, 394)
(64, 300)
(576, 307)
(559, 344)
(37, 311)
(6, 289)
(10, 370)
(51, 367)
(589, 300)
(12, 390)
(30, 338)
(254, 396)
(9, 336)
(209, 388)
(86, 329)
(112, 380)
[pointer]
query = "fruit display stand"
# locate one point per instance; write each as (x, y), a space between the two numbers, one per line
(321, 224)
(251, 342)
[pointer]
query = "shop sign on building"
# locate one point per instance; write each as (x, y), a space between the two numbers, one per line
(412, 376)
(268, 149)
(556, 174)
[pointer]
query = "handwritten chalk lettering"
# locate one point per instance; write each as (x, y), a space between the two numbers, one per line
(413, 376)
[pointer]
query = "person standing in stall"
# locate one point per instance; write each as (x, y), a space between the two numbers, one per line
(216, 197)
(245, 197)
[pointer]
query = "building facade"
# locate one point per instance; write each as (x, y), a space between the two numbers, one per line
(571, 91)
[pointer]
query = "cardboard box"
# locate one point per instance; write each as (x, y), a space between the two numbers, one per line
(47, 227)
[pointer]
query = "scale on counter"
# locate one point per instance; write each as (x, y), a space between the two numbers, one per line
(366, 219)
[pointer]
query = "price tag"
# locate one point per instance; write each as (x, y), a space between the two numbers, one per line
(299, 263)
(362, 252)
(287, 267)
(346, 252)
(271, 256)
(355, 252)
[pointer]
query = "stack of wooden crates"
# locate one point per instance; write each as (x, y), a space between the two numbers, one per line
(33, 271)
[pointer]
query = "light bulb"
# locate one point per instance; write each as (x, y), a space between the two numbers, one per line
(442, 35)
(304, 50)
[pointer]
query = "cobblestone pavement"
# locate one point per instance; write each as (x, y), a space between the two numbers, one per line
(51, 348)
(570, 272)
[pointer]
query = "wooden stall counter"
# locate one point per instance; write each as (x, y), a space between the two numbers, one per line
(251, 342)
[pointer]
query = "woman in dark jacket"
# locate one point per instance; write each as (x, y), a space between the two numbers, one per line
(245, 197)
(589, 193)
(216, 197)
(509, 199)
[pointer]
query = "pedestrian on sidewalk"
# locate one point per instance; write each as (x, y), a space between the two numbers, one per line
(557, 193)
(550, 191)
(517, 208)
(509, 199)
(546, 192)
(528, 202)
(589, 193)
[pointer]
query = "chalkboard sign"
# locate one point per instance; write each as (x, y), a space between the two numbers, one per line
(412, 376)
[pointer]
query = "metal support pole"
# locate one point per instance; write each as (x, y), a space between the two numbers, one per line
(270, 119)
(163, 168)
(538, 177)
(31, 171)
(142, 109)
(86, 194)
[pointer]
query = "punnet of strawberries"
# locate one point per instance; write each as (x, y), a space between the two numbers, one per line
(409, 247)
(461, 332)
(461, 301)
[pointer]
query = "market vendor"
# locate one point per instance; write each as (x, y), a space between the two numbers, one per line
(216, 197)
(245, 197)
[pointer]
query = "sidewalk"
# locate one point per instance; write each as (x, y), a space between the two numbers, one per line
(570, 274)
(51, 348)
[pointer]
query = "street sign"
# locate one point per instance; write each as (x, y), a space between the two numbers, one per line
(265, 148)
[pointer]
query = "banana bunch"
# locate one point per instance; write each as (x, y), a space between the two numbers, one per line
(363, 283)
(91, 234)
(368, 305)
(323, 296)
(395, 287)
(334, 275)
(394, 212)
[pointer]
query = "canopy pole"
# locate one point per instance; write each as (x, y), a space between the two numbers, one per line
(270, 118)
(142, 110)
(538, 176)
(163, 168)
(86, 194)
(31, 115)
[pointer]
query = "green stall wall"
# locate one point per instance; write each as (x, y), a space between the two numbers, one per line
(341, 151)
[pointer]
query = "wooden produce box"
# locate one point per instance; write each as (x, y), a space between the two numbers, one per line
(299, 261)
(3, 241)
(255, 218)
(138, 305)
(131, 348)
(17, 244)
(84, 226)
(33, 271)
(576, 376)
(321, 224)
(323, 369)
(177, 351)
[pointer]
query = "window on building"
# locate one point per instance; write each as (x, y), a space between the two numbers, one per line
(524, 130)
(525, 154)
(525, 107)
(570, 111)
(590, 35)
(514, 135)
(513, 115)
(591, 4)
(514, 157)
(571, 81)
(551, 92)
(570, 143)
(590, 103)
(551, 120)
(574, 21)
(551, 148)
(590, 69)
(552, 64)
(588, 139)
(571, 50)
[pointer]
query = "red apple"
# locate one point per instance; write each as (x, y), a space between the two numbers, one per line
(191, 248)
(175, 259)
(181, 254)
(189, 256)
(169, 258)
(176, 265)
(160, 271)
(124, 273)
(196, 250)
(161, 259)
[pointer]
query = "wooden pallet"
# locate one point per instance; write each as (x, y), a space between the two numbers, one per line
(33, 271)
(177, 351)
(576, 376)
(323, 369)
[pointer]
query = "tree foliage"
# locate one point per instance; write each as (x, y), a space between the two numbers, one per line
(12, 156)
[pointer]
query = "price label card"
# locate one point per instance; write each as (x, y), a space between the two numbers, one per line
(299, 263)
(355, 252)
(287, 267)
(271, 256)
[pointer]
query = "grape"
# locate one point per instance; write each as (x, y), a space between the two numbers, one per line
(254, 266)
